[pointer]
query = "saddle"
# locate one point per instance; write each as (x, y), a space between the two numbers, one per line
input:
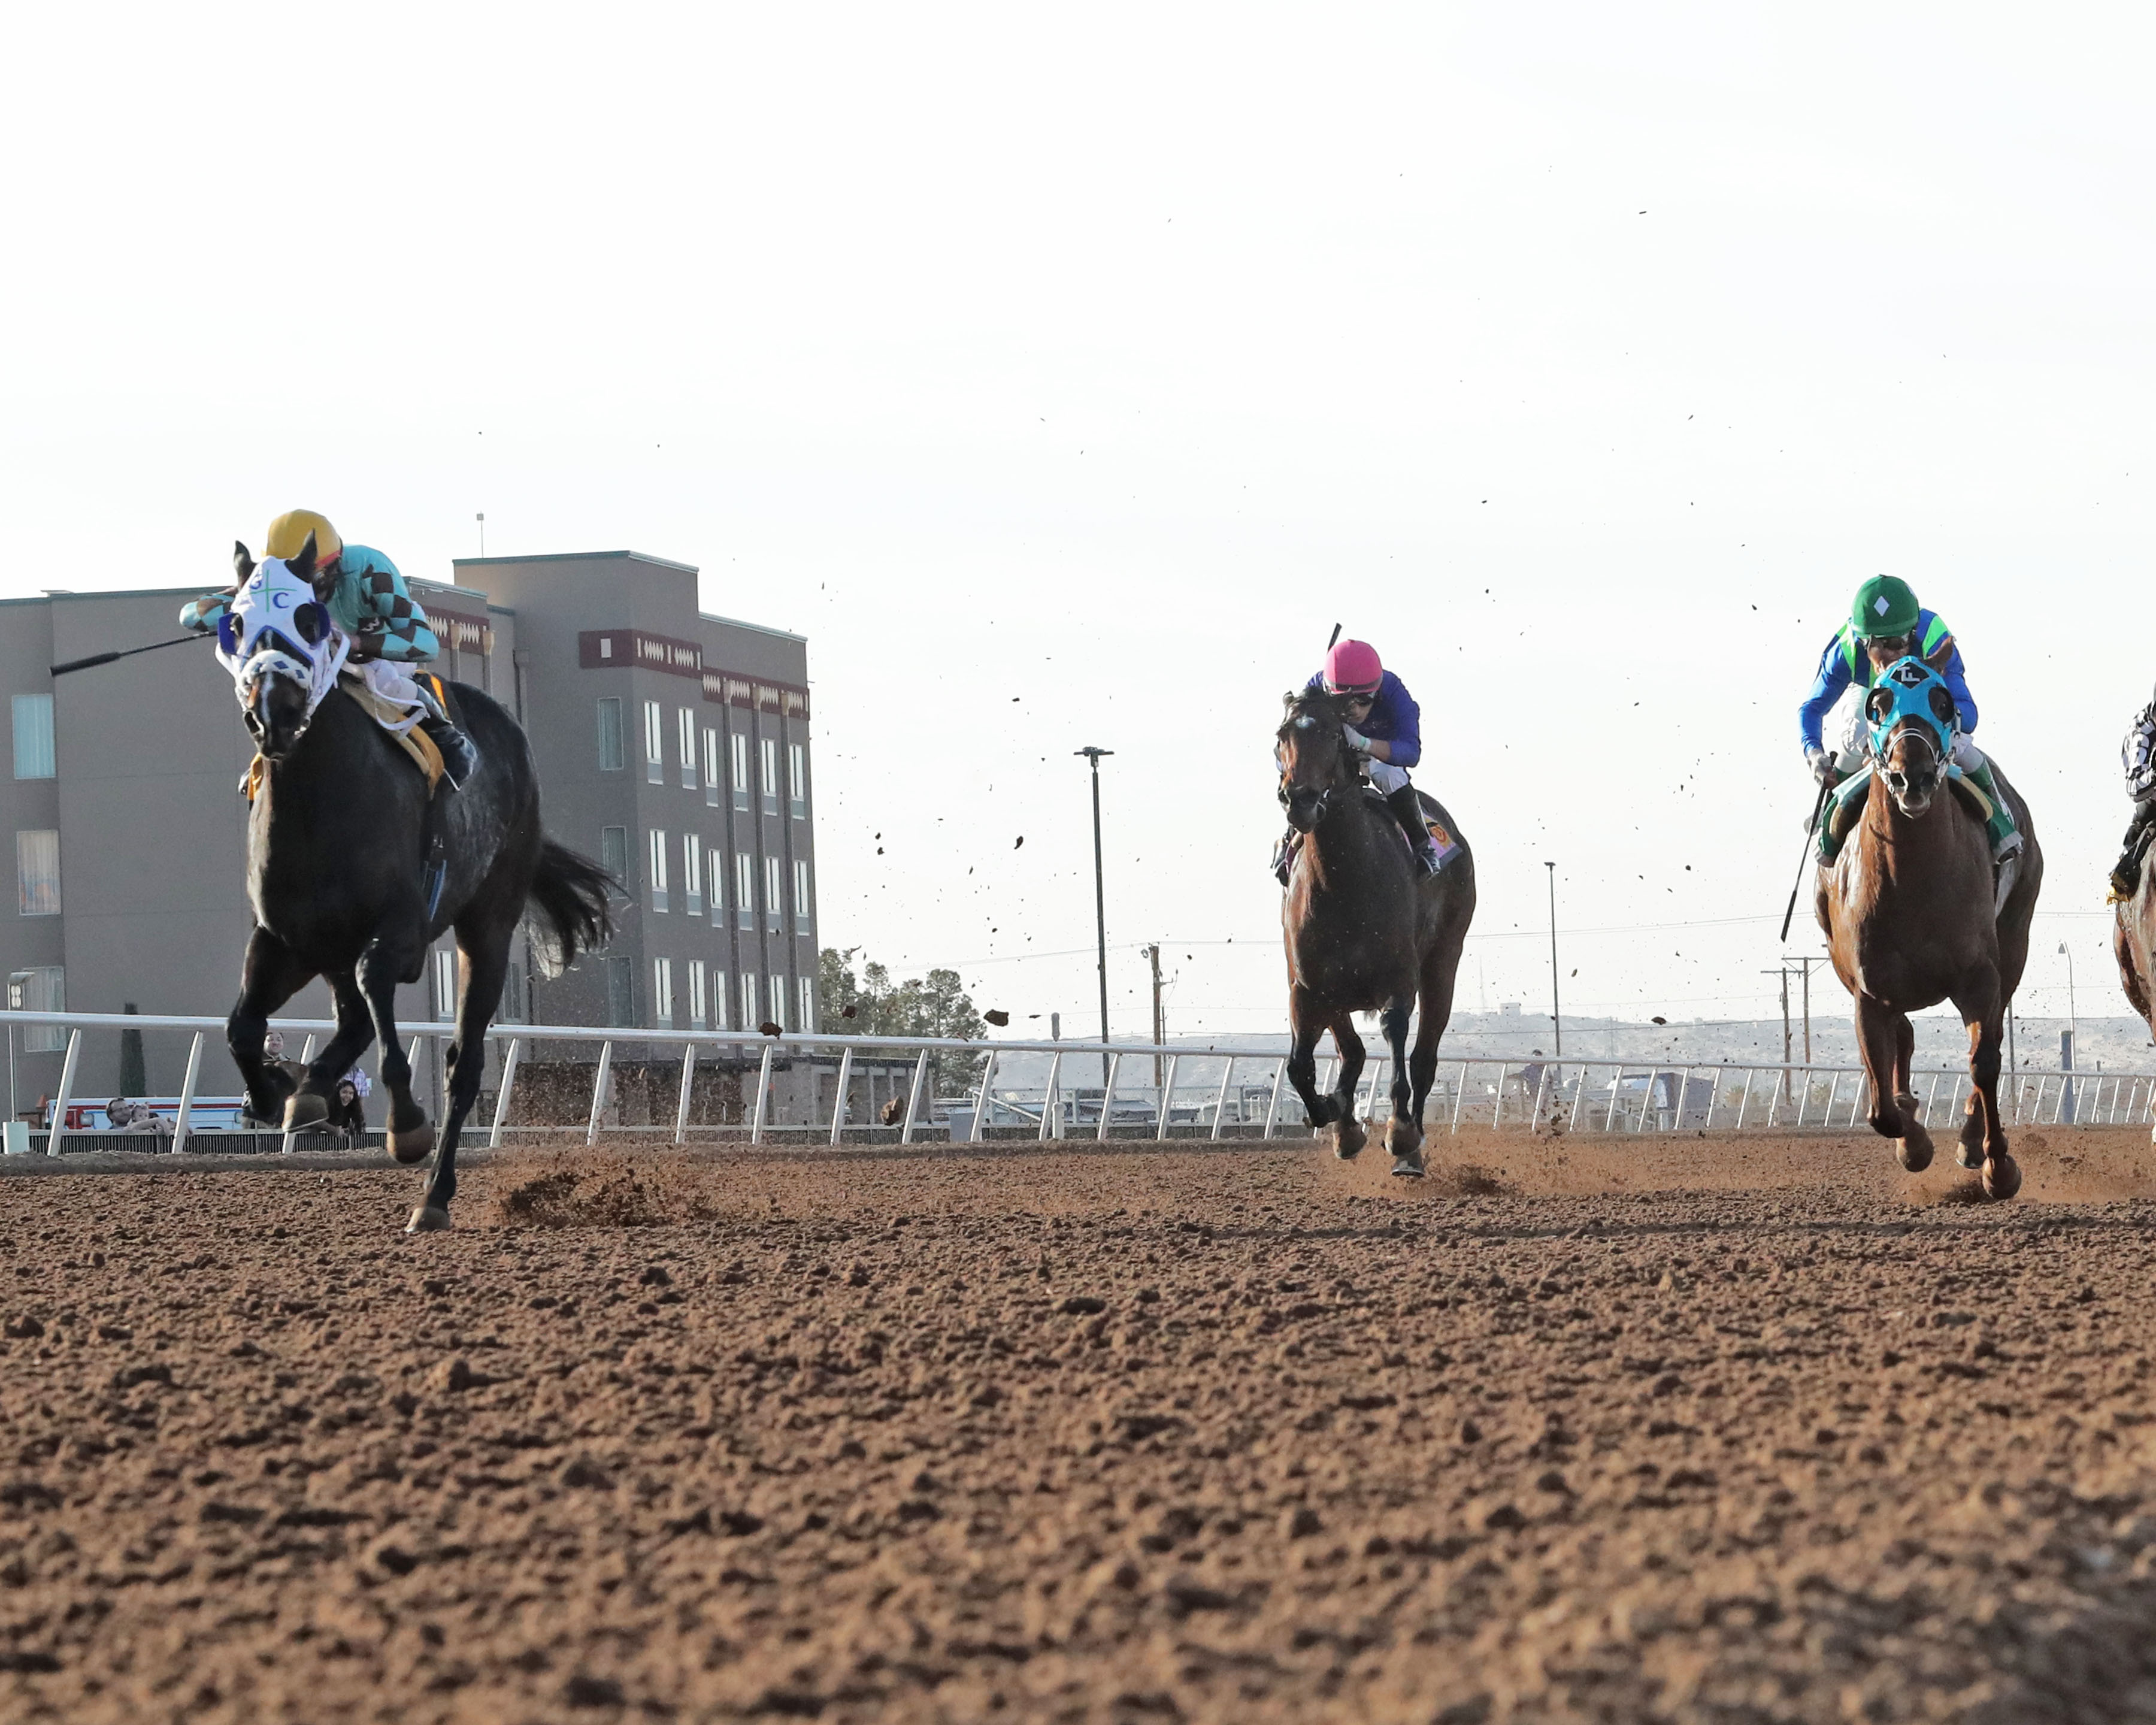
(1447, 847)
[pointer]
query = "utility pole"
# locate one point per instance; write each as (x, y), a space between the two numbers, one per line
(482, 533)
(1159, 1023)
(1782, 971)
(1100, 903)
(1557, 1017)
(1806, 964)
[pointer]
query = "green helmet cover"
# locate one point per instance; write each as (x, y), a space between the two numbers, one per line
(1885, 605)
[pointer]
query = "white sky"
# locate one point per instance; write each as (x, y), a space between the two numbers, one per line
(1584, 358)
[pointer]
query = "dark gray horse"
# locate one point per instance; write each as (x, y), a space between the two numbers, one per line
(1365, 931)
(337, 845)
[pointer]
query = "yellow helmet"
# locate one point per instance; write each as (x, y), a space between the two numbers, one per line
(287, 537)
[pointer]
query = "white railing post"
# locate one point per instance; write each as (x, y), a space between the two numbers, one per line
(913, 1097)
(1713, 1096)
(1497, 1109)
(1579, 1096)
(1609, 1113)
(67, 1087)
(306, 1055)
(509, 1060)
(1459, 1099)
(1647, 1100)
(981, 1110)
(1272, 1108)
(1107, 1099)
(1051, 1103)
(1745, 1102)
(763, 1094)
(688, 1090)
(1930, 1095)
(187, 1095)
(599, 1092)
(1220, 1105)
(1167, 1096)
(840, 1101)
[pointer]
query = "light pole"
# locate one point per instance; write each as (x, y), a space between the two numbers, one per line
(1100, 907)
(2073, 1025)
(1557, 1016)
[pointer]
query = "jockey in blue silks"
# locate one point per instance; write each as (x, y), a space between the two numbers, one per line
(1384, 726)
(1887, 623)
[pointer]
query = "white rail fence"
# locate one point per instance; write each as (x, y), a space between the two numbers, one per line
(1212, 1092)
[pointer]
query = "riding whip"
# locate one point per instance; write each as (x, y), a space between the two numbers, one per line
(1810, 828)
(1334, 638)
(95, 659)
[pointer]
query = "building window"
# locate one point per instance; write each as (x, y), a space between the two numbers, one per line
(37, 872)
(614, 855)
(767, 758)
(739, 742)
(807, 986)
(711, 769)
(41, 988)
(779, 1002)
(654, 743)
(695, 993)
(692, 874)
(796, 780)
(445, 984)
(774, 906)
(33, 736)
(659, 869)
(800, 896)
(714, 870)
(718, 1000)
(662, 994)
(745, 892)
(621, 992)
(610, 748)
(688, 741)
(750, 1017)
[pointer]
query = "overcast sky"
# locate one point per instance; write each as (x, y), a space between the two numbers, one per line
(1064, 376)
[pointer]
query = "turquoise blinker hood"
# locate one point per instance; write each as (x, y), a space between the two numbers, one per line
(1904, 691)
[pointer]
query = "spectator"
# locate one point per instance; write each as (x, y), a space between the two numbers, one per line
(124, 1116)
(347, 1115)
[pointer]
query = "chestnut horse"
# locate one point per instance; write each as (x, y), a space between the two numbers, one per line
(1366, 932)
(1908, 911)
(2133, 943)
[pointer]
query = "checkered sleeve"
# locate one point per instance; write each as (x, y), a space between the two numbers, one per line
(203, 614)
(406, 632)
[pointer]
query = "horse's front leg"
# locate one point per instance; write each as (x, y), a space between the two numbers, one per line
(482, 963)
(1982, 1013)
(1305, 1024)
(270, 975)
(387, 959)
(1403, 1135)
(1880, 1028)
(309, 1105)
(1348, 1133)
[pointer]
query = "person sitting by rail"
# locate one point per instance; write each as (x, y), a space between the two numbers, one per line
(1384, 726)
(386, 626)
(1886, 623)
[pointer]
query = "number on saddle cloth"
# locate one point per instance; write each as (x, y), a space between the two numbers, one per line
(1910, 689)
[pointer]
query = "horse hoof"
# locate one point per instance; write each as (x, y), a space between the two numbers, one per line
(427, 1219)
(1348, 1139)
(416, 1145)
(2002, 1176)
(303, 1109)
(1915, 1151)
(1408, 1167)
(1969, 1155)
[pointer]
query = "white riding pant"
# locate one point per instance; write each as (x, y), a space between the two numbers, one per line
(390, 681)
(1386, 776)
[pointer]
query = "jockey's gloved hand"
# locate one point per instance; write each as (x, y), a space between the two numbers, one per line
(1355, 740)
(1821, 764)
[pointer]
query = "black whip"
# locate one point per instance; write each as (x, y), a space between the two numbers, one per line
(95, 659)
(1810, 830)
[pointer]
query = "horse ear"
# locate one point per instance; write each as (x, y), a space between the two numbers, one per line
(303, 565)
(243, 565)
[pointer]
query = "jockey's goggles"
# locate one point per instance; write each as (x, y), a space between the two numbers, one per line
(1366, 697)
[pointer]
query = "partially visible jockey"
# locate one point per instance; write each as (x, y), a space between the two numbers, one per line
(371, 605)
(1887, 623)
(2138, 753)
(1384, 726)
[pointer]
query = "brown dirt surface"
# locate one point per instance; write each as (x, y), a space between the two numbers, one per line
(1733, 1428)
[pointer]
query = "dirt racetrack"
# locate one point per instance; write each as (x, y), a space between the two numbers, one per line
(1623, 1430)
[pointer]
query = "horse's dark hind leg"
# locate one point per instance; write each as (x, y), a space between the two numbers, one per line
(1403, 1134)
(478, 992)
(1348, 1133)
(1982, 1013)
(269, 976)
(355, 1030)
(1439, 969)
(1883, 1035)
(387, 960)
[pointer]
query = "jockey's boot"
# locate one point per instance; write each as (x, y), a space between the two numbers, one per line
(2126, 874)
(459, 757)
(1407, 810)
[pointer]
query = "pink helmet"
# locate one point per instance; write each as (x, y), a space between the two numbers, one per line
(1352, 664)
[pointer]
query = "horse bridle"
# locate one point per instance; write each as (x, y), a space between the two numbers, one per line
(1913, 727)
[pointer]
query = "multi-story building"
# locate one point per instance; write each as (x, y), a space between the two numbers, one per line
(673, 746)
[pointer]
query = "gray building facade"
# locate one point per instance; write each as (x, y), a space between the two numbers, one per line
(672, 746)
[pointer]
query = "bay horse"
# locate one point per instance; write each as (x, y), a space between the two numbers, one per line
(1911, 919)
(1365, 931)
(338, 842)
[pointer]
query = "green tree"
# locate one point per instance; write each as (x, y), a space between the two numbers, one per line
(933, 1005)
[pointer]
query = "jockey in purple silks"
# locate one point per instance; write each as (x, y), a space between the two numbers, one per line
(1384, 726)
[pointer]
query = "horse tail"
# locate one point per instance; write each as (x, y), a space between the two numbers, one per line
(569, 898)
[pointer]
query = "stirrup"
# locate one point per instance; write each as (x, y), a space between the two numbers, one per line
(1427, 862)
